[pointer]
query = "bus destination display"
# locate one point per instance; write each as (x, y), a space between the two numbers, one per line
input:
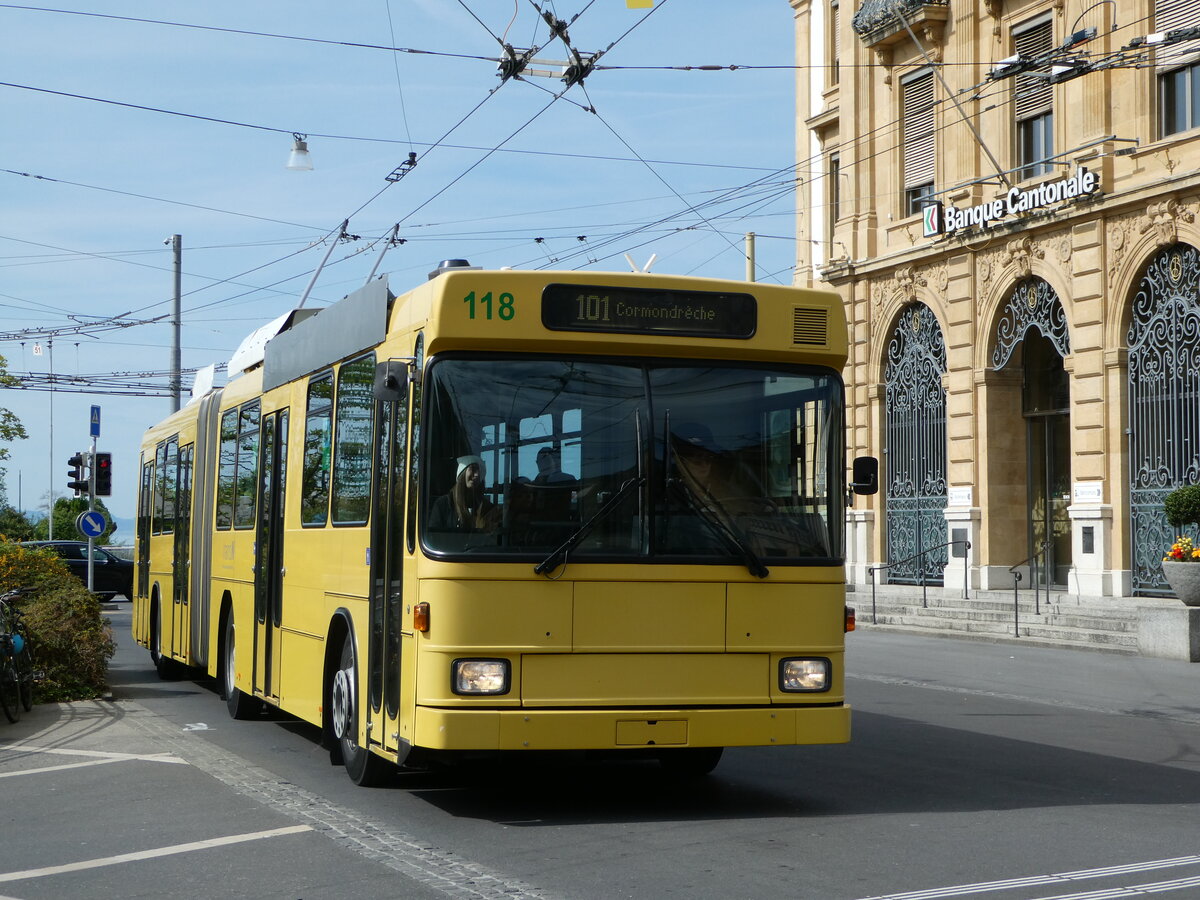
(583, 307)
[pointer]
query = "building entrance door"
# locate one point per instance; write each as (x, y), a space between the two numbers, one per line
(915, 467)
(1164, 405)
(1046, 404)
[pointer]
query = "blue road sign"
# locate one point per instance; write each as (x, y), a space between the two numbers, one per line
(95, 421)
(91, 524)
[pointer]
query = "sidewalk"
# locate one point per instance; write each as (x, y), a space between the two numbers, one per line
(1134, 626)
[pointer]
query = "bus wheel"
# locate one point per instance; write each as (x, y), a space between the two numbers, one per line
(155, 639)
(363, 766)
(690, 762)
(241, 705)
(167, 668)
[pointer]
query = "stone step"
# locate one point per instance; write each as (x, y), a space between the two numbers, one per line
(1074, 640)
(1059, 619)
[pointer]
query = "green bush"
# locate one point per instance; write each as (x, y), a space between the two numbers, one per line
(1182, 506)
(70, 641)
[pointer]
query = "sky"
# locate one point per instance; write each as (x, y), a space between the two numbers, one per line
(136, 121)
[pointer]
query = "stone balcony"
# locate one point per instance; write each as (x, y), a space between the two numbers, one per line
(881, 23)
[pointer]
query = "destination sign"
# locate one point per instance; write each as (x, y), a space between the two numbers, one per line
(619, 310)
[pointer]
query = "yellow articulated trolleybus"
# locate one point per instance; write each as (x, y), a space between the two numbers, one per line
(516, 511)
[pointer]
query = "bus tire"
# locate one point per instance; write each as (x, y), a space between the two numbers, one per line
(240, 704)
(364, 767)
(690, 762)
(155, 640)
(167, 668)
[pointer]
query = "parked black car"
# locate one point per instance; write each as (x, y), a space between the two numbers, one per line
(111, 575)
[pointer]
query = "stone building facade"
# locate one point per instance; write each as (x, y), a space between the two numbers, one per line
(1007, 195)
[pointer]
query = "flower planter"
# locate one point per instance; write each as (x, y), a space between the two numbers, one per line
(1184, 579)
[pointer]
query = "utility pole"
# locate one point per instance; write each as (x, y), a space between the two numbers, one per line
(50, 518)
(176, 242)
(749, 255)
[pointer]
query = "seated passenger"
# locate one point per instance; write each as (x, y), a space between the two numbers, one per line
(466, 507)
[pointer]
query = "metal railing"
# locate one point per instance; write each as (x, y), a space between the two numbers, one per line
(966, 545)
(1033, 571)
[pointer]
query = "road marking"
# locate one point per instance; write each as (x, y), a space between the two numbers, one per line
(95, 758)
(983, 887)
(1136, 890)
(152, 854)
(105, 754)
(428, 865)
(41, 770)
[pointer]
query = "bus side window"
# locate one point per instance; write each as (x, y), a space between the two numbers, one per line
(318, 442)
(246, 480)
(226, 473)
(351, 494)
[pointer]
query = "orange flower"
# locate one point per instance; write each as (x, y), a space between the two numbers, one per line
(1183, 550)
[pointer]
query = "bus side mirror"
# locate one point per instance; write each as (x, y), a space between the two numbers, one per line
(865, 475)
(391, 379)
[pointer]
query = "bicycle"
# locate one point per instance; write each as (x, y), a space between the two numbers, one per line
(16, 662)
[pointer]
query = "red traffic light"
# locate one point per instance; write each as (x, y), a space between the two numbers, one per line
(103, 474)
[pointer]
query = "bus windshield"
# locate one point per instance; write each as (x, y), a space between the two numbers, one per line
(633, 461)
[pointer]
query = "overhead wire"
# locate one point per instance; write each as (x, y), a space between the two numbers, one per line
(265, 34)
(495, 149)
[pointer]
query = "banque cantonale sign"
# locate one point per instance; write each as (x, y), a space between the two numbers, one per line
(937, 219)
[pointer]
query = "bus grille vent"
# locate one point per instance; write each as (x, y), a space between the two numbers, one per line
(810, 326)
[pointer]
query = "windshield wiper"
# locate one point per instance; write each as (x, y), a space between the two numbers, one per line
(551, 562)
(719, 527)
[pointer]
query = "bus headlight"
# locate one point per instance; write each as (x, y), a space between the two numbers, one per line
(804, 674)
(479, 676)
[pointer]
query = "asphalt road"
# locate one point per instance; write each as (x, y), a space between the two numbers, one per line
(976, 770)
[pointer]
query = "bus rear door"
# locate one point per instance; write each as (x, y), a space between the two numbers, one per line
(268, 563)
(182, 563)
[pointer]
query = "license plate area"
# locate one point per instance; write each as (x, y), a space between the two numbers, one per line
(651, 732)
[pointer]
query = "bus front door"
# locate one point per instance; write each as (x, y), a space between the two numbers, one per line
(268, 562)
(387, 566)
(181, 567)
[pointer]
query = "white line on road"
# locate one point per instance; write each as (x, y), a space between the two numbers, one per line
(983, 887)
(1136, 890)
(95, 758)
(106, 754)
(152, 854)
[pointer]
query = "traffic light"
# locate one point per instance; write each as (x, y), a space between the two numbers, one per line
(79, 479)
(103, 474)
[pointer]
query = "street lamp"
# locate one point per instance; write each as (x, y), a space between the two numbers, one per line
(300, 160)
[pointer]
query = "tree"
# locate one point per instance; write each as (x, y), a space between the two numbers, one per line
(66, 511)
(15, 525)
(10, 426)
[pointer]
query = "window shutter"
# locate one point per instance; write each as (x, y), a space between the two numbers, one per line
(918, 154)
(1169, 14)
(1033, 93)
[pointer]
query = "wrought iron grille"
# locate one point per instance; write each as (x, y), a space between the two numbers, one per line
(1164, 404)
(916, 447)
(1032, 304)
